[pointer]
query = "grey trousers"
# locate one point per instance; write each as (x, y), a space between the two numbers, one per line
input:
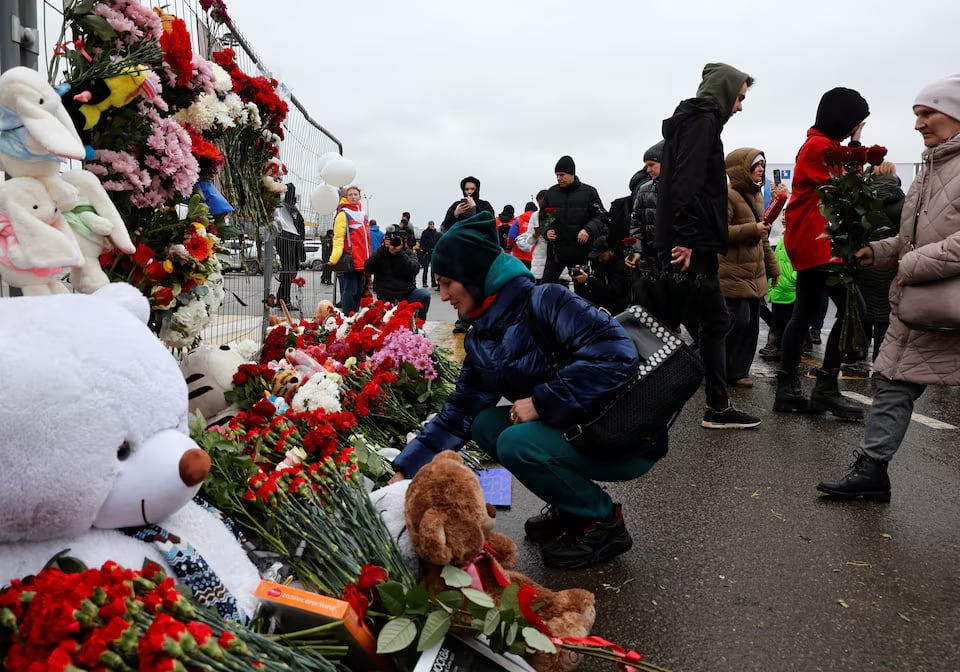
(889, 417)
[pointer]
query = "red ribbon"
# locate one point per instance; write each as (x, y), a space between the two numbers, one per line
(61, 49)
(488, 553)
(626, 657)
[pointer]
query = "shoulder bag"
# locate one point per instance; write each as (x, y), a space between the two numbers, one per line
(930, 306)
(668, 375)
(345, 262)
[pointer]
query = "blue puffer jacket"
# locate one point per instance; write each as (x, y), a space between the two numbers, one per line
(503, 360)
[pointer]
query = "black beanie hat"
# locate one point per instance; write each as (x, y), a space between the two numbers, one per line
(466, 252)
(507, 213)
(839, 111)
(565, 165)
(655, 153)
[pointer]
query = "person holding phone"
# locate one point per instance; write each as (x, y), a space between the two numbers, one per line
(468, 205)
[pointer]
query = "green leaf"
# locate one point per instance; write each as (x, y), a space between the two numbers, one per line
(511, 635)
(479, 598)
(391, 594)
(66, 563)
(417, 599)
(449, 599)
(437, 625)
(396, 635)
(491, 622)
(455, 577)
(82, 7)
(98, 26)
(537, 640)
(508, 599)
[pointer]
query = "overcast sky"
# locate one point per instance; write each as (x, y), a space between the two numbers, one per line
(423, 93)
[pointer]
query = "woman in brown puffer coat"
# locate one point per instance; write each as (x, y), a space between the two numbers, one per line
(748, 263)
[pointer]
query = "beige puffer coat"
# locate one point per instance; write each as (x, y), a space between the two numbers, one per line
(749, 260)
(926, 357)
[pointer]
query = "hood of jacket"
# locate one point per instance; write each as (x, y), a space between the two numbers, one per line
(463, 183)
(686, 109)
(739, 164)
(721, 85)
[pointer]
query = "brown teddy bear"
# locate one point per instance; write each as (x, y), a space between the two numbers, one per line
(450, 524)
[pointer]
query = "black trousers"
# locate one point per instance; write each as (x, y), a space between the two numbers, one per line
(742, 335)
(708, 318)
(811, 287)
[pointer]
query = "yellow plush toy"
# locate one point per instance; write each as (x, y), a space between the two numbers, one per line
(114, 91)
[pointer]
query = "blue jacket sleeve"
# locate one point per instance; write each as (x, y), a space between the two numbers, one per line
(600, 357)
(450, 429)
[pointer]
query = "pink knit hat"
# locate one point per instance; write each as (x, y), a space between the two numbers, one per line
(942, 95)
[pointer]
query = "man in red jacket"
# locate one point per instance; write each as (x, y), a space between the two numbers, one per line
(840, 115)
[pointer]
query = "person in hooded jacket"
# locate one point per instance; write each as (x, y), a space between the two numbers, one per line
(573, 218)
(290, 243)
(350, 234)
(840, 115)
(376, 235)
(691, 226)
(468, 206)
(607, 285)
(748, 262)
(581, 526)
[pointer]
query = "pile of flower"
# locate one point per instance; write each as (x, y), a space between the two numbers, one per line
(164, 120)
(849, 202)
(119, 619)
(177, 268)
(317, 408)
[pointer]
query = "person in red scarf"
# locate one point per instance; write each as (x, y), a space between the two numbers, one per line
(351, 234)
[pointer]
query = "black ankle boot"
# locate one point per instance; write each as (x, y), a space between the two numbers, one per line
(826, 397)
(867, 480)
(790, 397)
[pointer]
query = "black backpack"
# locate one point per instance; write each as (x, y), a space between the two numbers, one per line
(618, 224)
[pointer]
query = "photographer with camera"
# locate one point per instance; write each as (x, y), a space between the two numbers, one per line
(607, 284)
(394, 267)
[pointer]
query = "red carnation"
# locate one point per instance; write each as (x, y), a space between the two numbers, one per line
(177, 51)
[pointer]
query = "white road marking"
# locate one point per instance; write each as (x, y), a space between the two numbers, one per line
(933, 423)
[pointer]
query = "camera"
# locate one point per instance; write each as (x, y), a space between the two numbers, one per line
(395, 239)
(574, 271)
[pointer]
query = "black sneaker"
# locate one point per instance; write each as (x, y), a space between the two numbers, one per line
(815, 336)
(770, 353)
(548, 525)
(728, 418)
(592, 544)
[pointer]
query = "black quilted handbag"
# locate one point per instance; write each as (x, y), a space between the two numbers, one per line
(668, 375)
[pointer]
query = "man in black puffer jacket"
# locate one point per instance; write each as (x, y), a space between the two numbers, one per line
(571, 219)
(691, 224)
(644, 214)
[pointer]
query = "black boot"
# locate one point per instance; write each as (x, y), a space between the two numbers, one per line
(867, 480)
(790, 397)
(826, 397)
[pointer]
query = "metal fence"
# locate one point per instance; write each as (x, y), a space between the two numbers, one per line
(247, 285)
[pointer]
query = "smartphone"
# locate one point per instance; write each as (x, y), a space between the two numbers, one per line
(776, 176)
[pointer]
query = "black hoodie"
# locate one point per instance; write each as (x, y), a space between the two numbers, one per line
(692, 197)
(482, 205)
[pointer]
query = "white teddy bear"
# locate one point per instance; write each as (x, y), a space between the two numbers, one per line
(93, 438)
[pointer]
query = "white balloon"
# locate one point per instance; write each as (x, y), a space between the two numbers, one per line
(325, 199)
(324, 159)
(339, 172)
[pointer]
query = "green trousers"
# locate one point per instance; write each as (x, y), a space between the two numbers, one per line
(542, 460)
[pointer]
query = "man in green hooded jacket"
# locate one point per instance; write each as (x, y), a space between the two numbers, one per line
(691, 225)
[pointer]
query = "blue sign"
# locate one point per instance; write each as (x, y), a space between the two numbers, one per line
(785, 173)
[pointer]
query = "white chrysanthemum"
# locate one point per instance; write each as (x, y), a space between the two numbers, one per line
(221, 78)
(235, 108)
(247, 348)
(214, 296)
(253, 115)
(181, 327)
(320, 392)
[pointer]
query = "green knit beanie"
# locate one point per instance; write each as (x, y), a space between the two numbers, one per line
(466, 251)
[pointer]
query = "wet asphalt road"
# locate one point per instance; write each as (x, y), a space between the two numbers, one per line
(738, 564)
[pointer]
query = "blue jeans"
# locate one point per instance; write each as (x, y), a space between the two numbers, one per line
(420, 295)
(351, 288)
(552, 469)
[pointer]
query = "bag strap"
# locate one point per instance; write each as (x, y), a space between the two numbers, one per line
(750, 205)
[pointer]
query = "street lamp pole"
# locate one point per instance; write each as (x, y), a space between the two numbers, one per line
(368, 198)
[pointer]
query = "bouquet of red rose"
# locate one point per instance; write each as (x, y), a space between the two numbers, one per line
(849, 202)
